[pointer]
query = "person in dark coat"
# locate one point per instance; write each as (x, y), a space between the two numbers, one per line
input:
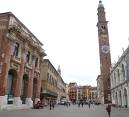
(108, 109)
(53, 104)
(89, 104)
(82, 103)
(79, 104)
(50, 103)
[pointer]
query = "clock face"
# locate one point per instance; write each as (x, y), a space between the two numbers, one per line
(105, 49)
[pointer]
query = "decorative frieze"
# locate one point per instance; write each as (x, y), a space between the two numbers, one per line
(14, 66)
(36, 74)
(26, 71)
(15, 26)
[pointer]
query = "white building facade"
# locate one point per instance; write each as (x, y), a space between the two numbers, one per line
(119, 78)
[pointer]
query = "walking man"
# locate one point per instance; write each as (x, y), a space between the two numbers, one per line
(108, 108)
(89, 104)
(50, 103)
(53, 104)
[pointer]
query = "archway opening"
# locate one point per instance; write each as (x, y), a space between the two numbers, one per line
(11, 85)
(116, 99)
(125, 98)
(120, 98)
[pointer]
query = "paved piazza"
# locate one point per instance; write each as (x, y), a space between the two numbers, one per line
(63, 111)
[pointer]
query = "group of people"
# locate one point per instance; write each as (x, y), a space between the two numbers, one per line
(52, 105)
(82, 103)
(108, 107)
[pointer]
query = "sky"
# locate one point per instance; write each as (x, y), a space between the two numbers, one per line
(67, 29)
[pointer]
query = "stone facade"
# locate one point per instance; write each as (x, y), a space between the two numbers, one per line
(84, 93)
(93, 93)
(73, 88)
(119, 78)
(61, 89)
(52, 84)
(20, 55)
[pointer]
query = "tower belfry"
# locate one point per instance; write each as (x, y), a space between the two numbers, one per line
(104, 52)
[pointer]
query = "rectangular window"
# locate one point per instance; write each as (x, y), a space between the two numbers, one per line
(16, 49)
(36, 62)
(28, 57)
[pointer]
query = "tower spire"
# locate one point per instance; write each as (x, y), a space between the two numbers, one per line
(59, 70)
(100, 4)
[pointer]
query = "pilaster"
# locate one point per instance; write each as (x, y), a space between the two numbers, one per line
(17, 92)
(4, 66)
(38, 88)
(30, 84)
(128, 94)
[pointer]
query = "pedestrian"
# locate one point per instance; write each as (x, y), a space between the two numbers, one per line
(50, 103)
(53, 104)
(108, 109)
(82, 103)
(89, 104)
(79, 104)
(69, 103)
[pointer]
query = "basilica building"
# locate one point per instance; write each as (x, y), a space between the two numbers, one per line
(20, 56)
(119, 78)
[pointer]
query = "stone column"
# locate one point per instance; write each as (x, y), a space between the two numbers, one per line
(113, 97)
(38, 90)
(29, 101)
(128, 94)
(17, 93)
(123, 98)
(118, 98)
(5, 57)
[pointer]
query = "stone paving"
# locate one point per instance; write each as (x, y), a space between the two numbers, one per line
(63, 111)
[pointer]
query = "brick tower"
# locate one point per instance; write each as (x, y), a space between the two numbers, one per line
(104, 52)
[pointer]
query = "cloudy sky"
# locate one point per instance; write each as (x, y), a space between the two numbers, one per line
(67, 28)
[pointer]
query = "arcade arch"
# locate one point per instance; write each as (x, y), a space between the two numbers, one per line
(11, 85)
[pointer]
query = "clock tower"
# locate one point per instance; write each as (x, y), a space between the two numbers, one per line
(104, 52)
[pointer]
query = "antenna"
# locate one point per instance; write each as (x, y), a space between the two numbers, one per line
(118, 56)
(128, 39)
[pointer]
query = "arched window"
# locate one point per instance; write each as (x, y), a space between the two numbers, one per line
(118, 76)
(112, 82)
(11, 85)
(123, 72)
(114, 79)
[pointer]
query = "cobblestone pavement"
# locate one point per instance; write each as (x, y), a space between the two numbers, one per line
(63, 111)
